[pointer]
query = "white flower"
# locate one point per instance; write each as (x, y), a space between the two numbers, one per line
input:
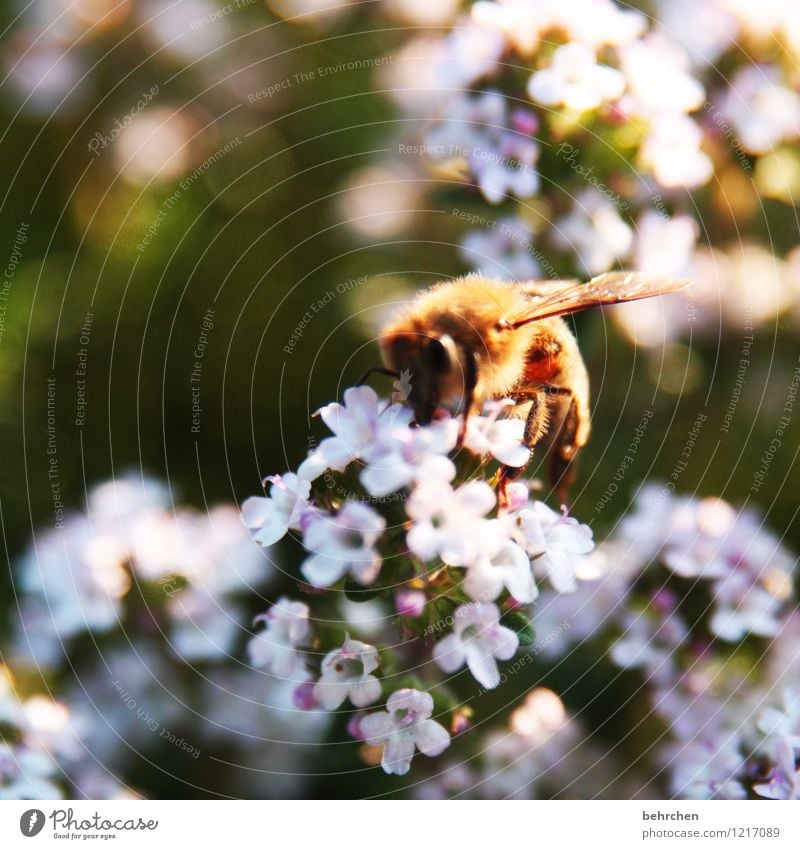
(346, 672)
(658, 77)
(272, 517)
(764, 112)
(595, 233)
(672, 152)
(521, 22)
(664, 245)
(506, 167)
(404, 726)
(343, 543)
(553, 540)
(449, 523)
(703, 28)
(502, 438)
(575, 80)
(477, 132)
(783, 721)
(479, 640)
(276, 646)
(510, 568)
(784, 780)
(503, 252)
(354, 423)
(742, 607)
(402, 455)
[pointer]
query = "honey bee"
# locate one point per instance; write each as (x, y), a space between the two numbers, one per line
(474, 339)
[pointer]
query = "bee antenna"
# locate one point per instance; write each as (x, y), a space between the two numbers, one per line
(387, 372)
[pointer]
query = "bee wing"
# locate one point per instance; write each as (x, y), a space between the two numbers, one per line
(545, 288)
(614, 287)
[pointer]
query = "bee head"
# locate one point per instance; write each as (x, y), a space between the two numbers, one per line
(436, 370)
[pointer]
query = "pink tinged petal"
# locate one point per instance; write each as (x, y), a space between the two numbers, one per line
(331, 694)
(366, 572)
(375, 728)
(259, 651)
(418, 701)
(335, 454)
(476, 496)
(256, 510)
(271, 531)
(512, 455)
(506, 643)
(431, 738)
(423, 540)
(521, 585)
(576, 539)
(482, 665)
(365, 692)
(449, 653)
(321, 571)
(397, 753)
(312, 467)
(383, 479)
(560, 570)
(517, 494)
(483, 582)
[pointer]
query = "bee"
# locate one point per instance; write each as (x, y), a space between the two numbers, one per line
(474, 339)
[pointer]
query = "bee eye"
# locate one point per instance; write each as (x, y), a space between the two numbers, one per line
(436, 356)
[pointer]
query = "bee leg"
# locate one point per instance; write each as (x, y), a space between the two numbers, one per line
(535, 429)
(562, 469)
(470, 366)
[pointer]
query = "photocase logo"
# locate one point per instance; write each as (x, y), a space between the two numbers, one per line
(31, 822)
(402, 387)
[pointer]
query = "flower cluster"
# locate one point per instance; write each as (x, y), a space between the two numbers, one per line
(592, 126)
(717, 669)
(394, 511)
(134, 611)
(128, 543)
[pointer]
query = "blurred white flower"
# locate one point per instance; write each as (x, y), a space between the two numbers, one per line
(659, 80)
(742, 607)
(664, 245)
(479, 640)
(424, 13)
(704, 28)
(784, 779)
(380, 201)
(594, 233)
(706, 769)
(160, 144)
(320, 14)
(272, 517)
(672, 152)
(346, 672)
(502, 251)
(403, 727)
(553, 540)
(43, 72)
(343, 543)
(275, 647)
(450, 523)
(479, 131)
(763, 111)
(576, 80)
